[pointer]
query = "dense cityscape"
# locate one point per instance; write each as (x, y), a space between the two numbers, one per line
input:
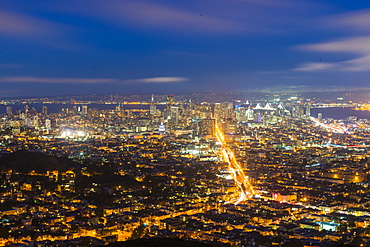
(212, 123)
(236, 173)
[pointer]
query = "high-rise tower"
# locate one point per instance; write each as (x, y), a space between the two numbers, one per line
(26, 109)
(153, 108)
(308, 111)
(170, 101)
(48, 124)
(85, 110)
(44, 110)
(9, 110)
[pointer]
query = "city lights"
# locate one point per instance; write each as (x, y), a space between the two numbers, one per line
(201, 171)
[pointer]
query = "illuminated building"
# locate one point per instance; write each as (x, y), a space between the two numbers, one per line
(284, 197)
(84, 110)
(48, 124)
(161, 129)
(229, 126)
(35, 122)
(259, 119)
(174, 117)
(9, 111)
(153, 108)
(27, 122)
(44, 110)
(224, 110)
(298, 111)
(295, 110)
(170, 101)
(319, 116)
(240, 113)
(308, 111)
(249, 113)
(207, 127)
(26, 108)
(217, 110)
(118, 108)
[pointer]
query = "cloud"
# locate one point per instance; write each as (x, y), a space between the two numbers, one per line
(315, 66)
(55, 80)
(24, 79)
(358, 46)
(354, 45)
(353, 21)
(206, 16)
(305, 88)
(149, 15)
(14, 24)
(158, 80)
(35, 30)
(275, 3)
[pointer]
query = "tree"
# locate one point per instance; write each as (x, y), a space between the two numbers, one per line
(351, 224)
(264, 241)
(99, 212)
(293, 243)
(343, 227)
(4, 232)
(138, 232)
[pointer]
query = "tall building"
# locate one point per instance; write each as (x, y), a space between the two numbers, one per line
(259, 118)
(297, 111)
(175, 114)
(26, 109)
(161, 129)
(27, 122)
(170, 101)
(217, 111)
(224, 110)
(207, 126)
(169, 113)
(308, 111)
(153, 108)
(48, 124)
(119, 111)
(35, 122)
(229, 128)
(84, 110)
(249, 113)
(9, 110)
(75, 110)
(44, 110)
(240, 113)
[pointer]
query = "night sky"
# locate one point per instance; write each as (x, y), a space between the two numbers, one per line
(180, 46)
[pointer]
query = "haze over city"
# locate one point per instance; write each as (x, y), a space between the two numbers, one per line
(75, 47)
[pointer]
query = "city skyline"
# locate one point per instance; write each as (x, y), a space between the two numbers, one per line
(125, 47)
(269, 172)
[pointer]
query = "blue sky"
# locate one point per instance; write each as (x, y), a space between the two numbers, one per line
(176, 46)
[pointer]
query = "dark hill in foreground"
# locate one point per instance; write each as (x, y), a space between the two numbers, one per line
(162, 242)
(24, 161)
